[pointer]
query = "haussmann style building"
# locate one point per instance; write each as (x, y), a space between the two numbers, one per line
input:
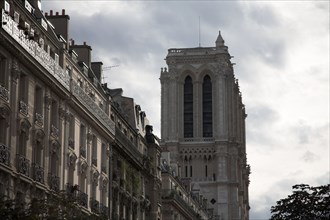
(203, 126)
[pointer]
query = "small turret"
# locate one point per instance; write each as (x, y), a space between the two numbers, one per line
(219, 42)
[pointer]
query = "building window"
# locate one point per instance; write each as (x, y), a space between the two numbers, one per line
(205, 170)
(3, 73)
(38, 106)
(104, 158)
(71, 131)
(82, 140)
(188, 107)
(94, 150)
(191, 171)
(207, 107)
(23, 94)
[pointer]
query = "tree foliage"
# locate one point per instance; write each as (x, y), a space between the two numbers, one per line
(57, 206)
(305, 203)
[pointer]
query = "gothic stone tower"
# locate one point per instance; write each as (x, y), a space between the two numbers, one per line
(203, 126)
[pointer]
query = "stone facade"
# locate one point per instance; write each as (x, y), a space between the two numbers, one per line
(203, 126)
(61, 130)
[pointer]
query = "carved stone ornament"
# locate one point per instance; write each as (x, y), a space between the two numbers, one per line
(95, 175)
(83, 166)
(24, 126)
(62, 112)
(39, 135)
(48, 100)
(55, 148)
(15, 69)
(5, 111)
(104, 182)
(72, 158)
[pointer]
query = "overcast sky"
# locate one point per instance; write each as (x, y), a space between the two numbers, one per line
(281, 51)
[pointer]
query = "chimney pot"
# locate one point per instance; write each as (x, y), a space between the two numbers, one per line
(63, 11)
(51, 12)
(84, 42)
(46, 14)
(57, 13)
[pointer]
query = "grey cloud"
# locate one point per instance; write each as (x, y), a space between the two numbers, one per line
(309, 157)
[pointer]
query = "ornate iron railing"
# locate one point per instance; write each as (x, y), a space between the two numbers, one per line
(4, 93)
(37, 172)
(4, 154)
(95, 205)
(53, 182)
(103, 209)
(84, 98)
(23, 108)
(173, 195)
(39, 119)
(128, 145)
(23, 165)
(33, 48)
(54, 131)
(82, 199)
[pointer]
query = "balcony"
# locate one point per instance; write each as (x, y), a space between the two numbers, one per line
(95, 205)
(37, 173)
(128, 145)
(53, 182)
(173, 196)
(23, 165)
(103, 209)
(85, 99)
(4, 154)
(4, 93)
(23, 108)
(39, 119)
(32, 47)
(82, 199)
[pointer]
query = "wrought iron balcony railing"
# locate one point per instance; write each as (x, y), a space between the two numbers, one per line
(4, 154)
(4, 93)
(23, 108)
(53, 182)
(54, 131)
(103, 209)
(39, 119)
(84, 98)
(82, 199)
(95, 205)
(37, 173)
(23, 165)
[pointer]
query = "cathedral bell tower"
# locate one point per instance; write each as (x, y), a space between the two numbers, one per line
(203, 126)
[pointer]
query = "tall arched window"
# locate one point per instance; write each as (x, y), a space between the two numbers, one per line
(188, 107)
(207, 107)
